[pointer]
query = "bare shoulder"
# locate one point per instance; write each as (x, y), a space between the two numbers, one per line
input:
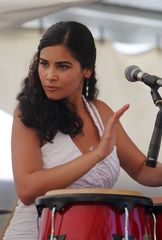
(20, 128)
(17, 118)
(17, 112)
(104, 110)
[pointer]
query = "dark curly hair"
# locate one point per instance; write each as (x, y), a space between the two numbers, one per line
(45, 115)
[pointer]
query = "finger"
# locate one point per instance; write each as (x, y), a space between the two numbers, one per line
(115, 118)
(119, 113)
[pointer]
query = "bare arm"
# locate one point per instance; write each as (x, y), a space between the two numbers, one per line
(32, 180)
(132, 160)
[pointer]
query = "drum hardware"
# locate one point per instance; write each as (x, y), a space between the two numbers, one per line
(117, 237)
(52, 223)
(126, 223)
(127, 237)
(58, 237)
(154, 226)
(3, 211)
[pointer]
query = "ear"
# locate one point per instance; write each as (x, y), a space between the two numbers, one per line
(88, 73)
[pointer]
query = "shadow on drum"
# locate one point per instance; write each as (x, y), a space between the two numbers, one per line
(156, 220)
(93, 214)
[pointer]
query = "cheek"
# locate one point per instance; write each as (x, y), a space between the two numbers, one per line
(75, 82)
(41, 73)
(75, 78)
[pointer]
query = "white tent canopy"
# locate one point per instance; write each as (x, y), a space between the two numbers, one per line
(16, 12)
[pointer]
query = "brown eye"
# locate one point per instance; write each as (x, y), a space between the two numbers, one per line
(43, 63)
(63, 66)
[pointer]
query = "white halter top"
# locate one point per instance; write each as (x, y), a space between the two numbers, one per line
(63, 150)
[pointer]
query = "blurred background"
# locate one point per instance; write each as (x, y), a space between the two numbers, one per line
(126, 33)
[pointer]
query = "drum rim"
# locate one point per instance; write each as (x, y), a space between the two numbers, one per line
(60, 201)
(157, 206)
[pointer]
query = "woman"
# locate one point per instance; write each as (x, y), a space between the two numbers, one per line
(62, 136)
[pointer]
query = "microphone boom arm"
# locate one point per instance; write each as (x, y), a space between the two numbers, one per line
(156, 97)
(155, 142)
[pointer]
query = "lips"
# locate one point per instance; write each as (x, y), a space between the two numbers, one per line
(51, 88)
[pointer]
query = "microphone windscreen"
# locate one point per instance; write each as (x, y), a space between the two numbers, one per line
(130, 71)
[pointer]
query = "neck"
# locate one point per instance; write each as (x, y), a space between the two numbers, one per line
(76, 104)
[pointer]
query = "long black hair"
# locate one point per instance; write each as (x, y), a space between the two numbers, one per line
(45, 115)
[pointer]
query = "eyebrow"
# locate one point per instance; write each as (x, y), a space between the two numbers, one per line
(63, 62)
(57, 63)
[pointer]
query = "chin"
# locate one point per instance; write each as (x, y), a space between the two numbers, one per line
(54, 98)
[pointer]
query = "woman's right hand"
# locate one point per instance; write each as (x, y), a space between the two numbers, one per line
(107, 141)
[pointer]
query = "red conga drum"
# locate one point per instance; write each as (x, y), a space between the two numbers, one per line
(93, 214)
(157, 218)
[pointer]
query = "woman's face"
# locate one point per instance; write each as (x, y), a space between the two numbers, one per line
(60, 73)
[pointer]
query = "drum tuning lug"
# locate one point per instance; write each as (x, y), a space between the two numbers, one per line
(57, 237)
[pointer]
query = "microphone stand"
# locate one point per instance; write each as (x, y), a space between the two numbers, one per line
(155, 142)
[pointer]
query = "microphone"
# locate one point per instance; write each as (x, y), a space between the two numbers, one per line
(155, 142)
(134, 73)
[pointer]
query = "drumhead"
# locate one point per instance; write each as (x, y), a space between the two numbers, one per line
(94, 191)
(157, 200)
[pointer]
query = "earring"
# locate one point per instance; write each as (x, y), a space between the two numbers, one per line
(87, 88)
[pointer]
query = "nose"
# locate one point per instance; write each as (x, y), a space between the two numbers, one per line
(52, 74)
